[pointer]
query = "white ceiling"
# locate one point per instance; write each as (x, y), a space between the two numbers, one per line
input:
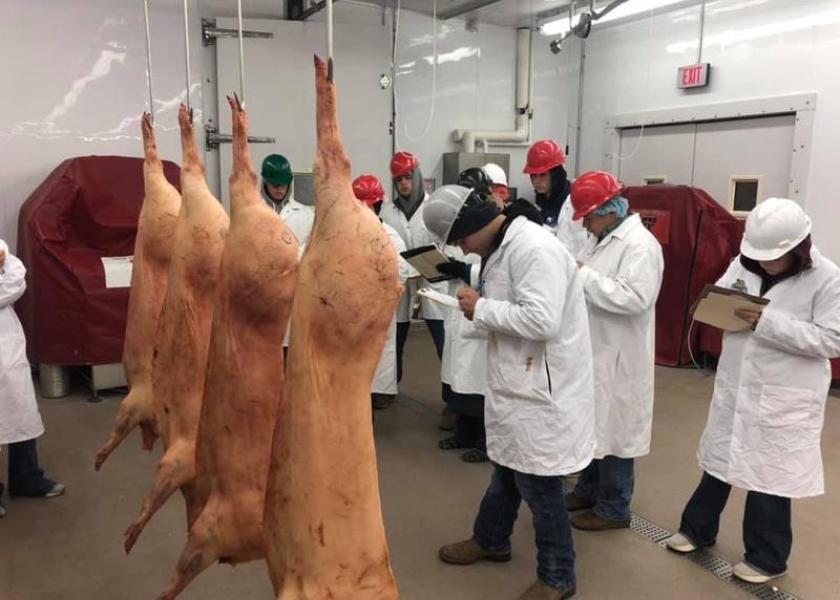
(503, 12)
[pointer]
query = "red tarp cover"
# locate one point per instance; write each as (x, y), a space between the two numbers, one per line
(699, 238)
(86, 209)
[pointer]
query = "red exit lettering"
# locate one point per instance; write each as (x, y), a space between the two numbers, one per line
(692, 75)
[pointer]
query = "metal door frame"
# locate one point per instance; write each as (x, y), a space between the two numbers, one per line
(801, 105)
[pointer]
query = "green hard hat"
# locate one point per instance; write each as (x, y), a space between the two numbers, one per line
(276, 170)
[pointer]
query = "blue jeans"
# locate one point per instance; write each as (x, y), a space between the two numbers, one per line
(767, 531)
(544, 496)
(608, 482)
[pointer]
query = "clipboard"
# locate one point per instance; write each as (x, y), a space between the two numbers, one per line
(425, 260)
(716, 307)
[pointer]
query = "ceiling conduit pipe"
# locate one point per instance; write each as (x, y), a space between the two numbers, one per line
(524, 113)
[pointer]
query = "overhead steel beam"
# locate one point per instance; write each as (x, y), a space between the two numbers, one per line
(295, 10)
(469, 6)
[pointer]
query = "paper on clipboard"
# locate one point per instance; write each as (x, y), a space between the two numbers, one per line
(436, 296)
(717, 305)
(425, 260)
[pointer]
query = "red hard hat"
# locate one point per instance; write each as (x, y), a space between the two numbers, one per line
(591, 190)
(403, 163)
(544, 156)
(368, 189)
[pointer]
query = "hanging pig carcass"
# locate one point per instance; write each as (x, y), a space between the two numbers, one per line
(180, 359)
(324, 532)
(244, 376)
(150, 271)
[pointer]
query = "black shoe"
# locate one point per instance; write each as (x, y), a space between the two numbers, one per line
(46, 488)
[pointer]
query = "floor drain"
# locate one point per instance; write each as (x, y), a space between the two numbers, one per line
(719, 567)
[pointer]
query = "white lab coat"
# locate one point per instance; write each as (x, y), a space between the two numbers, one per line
(385, 379)
(415, 235)
(463, 364)
(766, 418)
(298, 216)
(621, 278)
(539, 406)
(572, 234)
(19, 416)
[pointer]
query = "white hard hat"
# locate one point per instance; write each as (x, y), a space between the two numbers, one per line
(774, 228)
(496, 174)
(442, 208)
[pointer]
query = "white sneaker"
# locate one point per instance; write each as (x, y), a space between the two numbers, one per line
(750, 574)
(680, 543)
(56, 490)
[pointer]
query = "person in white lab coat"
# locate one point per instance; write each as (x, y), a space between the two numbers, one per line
(404, 213)
(545, 165)
(539, 406)
(621, 270)
(368, 189)
(767, 413)
(20, 421)
(277, 178)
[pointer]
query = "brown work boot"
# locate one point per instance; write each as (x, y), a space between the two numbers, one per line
(589, 521)
(542, 591)
(574, 502)
(469, 552)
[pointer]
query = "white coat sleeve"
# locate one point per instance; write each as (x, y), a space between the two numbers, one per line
(635, 287)
(538, 283)
(571, 234)
(12, 278)
(817, 338)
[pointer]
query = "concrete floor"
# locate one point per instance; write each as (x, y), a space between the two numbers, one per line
(71, 547)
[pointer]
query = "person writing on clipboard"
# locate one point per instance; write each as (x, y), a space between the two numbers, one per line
(539, 400)
(766, 417)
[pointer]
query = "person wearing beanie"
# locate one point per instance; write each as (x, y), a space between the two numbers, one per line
(539, 399)
(545, 165)
(621, 274)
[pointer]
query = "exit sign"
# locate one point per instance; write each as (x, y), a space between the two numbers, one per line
(693, 76)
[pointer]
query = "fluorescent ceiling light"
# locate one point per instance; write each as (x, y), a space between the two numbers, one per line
(628, 9)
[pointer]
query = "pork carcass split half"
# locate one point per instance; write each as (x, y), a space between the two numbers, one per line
(244, 375)
(152, 256)
(325, 536)
(180, 360)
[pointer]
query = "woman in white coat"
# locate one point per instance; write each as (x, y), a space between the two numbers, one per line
(766, 418)
(621, 271)
(20, 421)
(545, 166)
(539, 401)
(405, 214)
(368, 189)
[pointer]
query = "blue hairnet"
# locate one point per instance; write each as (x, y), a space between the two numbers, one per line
(617, 205)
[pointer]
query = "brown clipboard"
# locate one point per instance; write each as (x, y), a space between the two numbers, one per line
(716, 307)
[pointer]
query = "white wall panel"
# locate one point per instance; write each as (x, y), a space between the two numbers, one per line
(666, 151)
(76, 85)
(758, 49)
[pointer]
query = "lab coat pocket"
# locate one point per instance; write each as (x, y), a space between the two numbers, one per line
(528, 381)
(790, 417)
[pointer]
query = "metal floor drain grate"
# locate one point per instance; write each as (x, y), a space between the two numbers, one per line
(719, 567)
(648, 529)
